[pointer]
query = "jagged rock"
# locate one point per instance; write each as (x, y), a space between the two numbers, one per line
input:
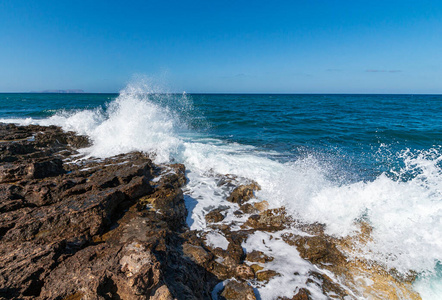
(162, 293)
(269, 220)
(266, 275)
(261, 206)
(235, 290)
(258, 256)
(78, 230)
(256, 268)
(196, 253)
(215, 216)
(243, 193)
(302, 294)
(244, 271)
(248, 208)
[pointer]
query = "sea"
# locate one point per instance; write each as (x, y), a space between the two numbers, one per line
(332, 159)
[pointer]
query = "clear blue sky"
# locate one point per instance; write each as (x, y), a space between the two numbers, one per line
(223, 46)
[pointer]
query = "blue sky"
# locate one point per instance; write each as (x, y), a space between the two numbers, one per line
(223, 46)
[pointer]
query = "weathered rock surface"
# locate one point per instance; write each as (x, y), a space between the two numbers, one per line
(243, 193)
(93, 229)
(235, 290)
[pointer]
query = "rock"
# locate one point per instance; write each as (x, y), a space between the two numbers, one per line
(244, 271)
(162, 293)
(269, 220)
(261, 206)
(215, 216)
(235, 290)
(45, 168)
(256, 268)
(196, 253)
(243, 193)
(258, 256)
(266, 275)
(81, 230)
(248, 208)
(302, 294)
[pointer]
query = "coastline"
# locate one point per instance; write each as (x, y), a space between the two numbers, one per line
(74, 228)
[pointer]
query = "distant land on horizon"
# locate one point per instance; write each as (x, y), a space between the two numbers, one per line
(74, 91)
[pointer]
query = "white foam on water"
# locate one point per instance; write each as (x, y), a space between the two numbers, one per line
(405, 212)
(294, 271)
(215, 239)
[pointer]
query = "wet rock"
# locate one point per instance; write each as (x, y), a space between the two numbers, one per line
(248, 208)
(269, 220)
(215, 216)
(318, 250)
(261, 206)
(244, 271)
(266, 275)
(243, 193)
(196, 253)
(256, 268)
(302, 294)
(235, 290)
(258, 256)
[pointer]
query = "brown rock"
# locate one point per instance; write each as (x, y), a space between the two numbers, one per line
(162, 293)
(215, 216)
(302, 294)
(244, 271)
(258, 256)
(78, 234)
(261, 206)
(248, 208)
(266, 275)
(243, 193)
(235, 290)
(196, 253)
(269, 220)
(256, 268)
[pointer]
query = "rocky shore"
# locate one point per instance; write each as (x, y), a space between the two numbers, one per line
(115, 228)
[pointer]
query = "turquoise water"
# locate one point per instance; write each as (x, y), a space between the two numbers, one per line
(333, 159)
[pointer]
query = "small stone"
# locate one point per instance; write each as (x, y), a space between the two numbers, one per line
(258, 256)
(162, 293)
(235, 290)
(243, 193)
(261, 206)
(215, 216)
(196, 253)
(245, 272)
(248, 208)
(269, 220)
(256, 268)
(266, 275)
(303, 294)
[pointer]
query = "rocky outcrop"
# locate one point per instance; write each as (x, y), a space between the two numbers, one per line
(77, 228)
(91, 229)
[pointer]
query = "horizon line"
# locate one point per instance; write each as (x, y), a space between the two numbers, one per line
(230, 93)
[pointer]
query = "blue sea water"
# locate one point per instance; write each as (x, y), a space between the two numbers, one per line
(336, 158)
(358, 133)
